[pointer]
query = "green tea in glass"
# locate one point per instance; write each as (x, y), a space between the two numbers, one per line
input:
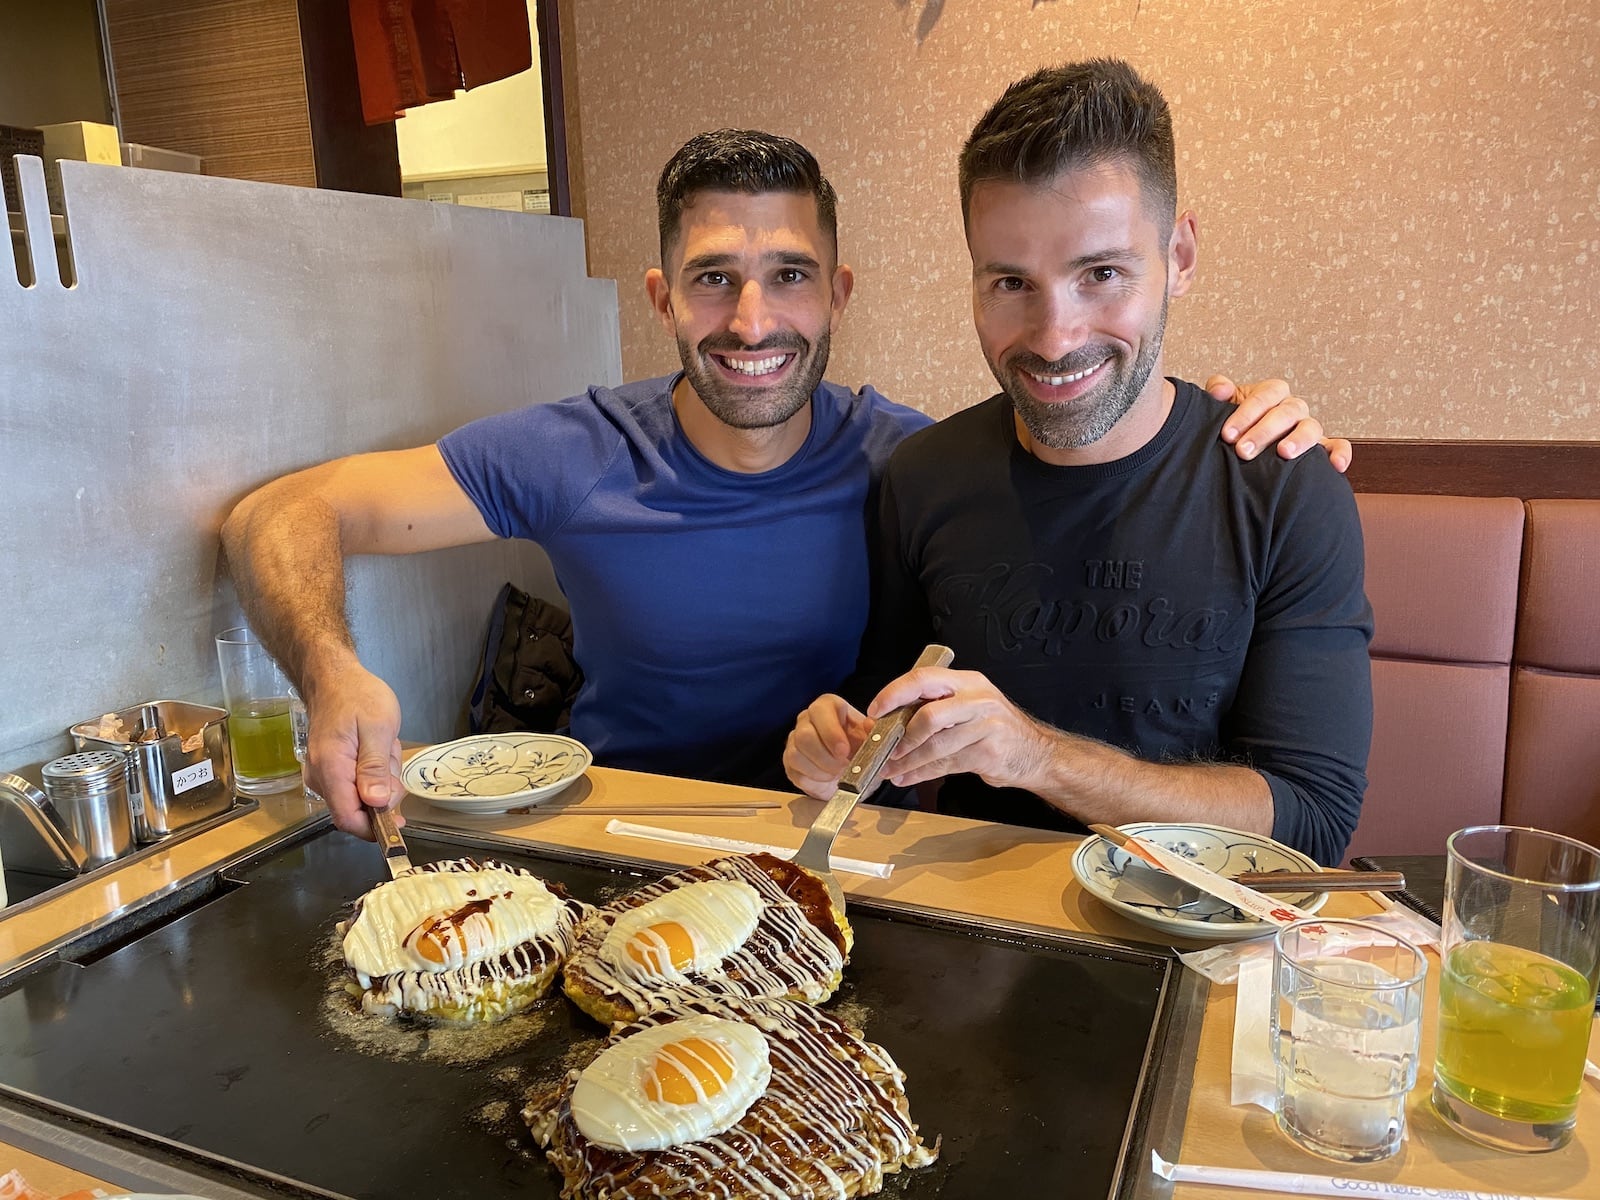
(1521, 963)
(259, 730)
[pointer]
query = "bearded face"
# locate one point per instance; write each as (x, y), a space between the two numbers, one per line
(750, 294)
(754, 387)
(1071, 280)
(1112, 382)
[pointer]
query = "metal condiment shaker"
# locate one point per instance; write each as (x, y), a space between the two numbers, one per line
(90, 792)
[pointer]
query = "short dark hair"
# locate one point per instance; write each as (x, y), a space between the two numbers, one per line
(740, 160)
(1079, 115)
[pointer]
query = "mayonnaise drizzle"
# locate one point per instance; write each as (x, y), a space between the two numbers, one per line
(829, 1088)
(719, 915)
(610, 1103)
(786, 955)
(498, 925)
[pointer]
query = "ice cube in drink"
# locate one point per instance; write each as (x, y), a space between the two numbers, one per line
(1346, 1059)
(1513, 1032)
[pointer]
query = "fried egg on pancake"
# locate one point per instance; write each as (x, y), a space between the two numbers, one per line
(670, 1084)
(827, 1114)
(458, 941)
(690, 929)
(742, 926)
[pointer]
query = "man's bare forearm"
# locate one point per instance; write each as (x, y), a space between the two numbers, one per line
(1094, 782)
(286, 544)
(284, 549)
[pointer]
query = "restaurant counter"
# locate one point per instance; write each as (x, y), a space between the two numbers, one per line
(992, 871)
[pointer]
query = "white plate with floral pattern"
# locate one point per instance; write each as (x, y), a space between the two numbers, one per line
(1098, 865)
(490, 773)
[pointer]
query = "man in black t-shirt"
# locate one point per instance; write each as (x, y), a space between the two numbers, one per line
(1145, 627)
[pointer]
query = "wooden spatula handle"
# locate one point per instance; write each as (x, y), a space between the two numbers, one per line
(861, 776)
(386, 831)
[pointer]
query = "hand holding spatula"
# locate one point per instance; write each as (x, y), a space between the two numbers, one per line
(859, 779)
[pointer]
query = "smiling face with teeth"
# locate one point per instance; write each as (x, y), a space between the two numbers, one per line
(751, 293)
(1071, 281)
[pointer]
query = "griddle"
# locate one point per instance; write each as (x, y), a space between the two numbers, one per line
(1031, 1055)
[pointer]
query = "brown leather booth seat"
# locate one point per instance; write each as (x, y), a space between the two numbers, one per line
(1442, 578)
(1485, 668)
(1553, 757)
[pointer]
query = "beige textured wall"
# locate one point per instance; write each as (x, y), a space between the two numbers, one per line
(1399, 201)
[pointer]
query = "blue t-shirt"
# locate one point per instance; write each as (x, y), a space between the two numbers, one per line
(708, 607)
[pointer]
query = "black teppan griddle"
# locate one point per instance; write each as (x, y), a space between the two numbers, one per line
(1032, 1056)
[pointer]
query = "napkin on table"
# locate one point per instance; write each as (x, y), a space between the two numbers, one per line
(1255, 1074)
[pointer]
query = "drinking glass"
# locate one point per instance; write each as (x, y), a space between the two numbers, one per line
(299, 726)
(300, 723)
(259, 727)
(1346, 1023)
(1521, 956)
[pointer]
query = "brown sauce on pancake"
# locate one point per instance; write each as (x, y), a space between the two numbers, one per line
(791, 952)
(833, 1121)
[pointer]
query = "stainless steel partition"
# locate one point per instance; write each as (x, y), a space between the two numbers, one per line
(217, 334)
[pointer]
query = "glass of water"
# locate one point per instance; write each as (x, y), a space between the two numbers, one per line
(300, 724)
(1346, 1023)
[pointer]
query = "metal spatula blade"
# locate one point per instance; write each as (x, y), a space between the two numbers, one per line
(858, 781)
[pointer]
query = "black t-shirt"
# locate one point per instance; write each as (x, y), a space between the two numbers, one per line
(1179, 603)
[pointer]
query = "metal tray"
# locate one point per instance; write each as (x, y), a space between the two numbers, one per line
(218, 1035)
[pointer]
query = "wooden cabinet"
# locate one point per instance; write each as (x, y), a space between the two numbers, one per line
(260, 89)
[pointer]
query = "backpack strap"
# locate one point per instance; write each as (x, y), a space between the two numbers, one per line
(509, 596)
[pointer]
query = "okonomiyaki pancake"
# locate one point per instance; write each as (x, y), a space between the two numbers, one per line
(458, 941)
(743, 926)
(730, 1098)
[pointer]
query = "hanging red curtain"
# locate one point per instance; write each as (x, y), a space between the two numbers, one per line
(410, 52)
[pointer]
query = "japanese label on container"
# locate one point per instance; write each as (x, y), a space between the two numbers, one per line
(192, 777)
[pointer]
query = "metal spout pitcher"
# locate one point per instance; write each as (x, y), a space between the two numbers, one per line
(35, 835)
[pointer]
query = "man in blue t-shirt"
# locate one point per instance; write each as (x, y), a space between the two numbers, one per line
(708, 528)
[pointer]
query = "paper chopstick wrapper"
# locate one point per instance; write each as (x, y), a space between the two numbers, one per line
(1293, 1184)
(676, 837)
(1246, 900)
(1255, 1074)
(1222, 964)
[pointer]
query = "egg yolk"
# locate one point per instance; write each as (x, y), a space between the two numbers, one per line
(688, 1072)
(668, 941)
(430, 941)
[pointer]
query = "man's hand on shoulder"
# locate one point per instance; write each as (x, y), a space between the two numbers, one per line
(353, 751)
(965, 725)
(1269, 414)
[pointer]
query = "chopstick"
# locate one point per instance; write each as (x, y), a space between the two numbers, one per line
(1327, 881)
(1318, 881)
(684, 809)
(679, 837)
